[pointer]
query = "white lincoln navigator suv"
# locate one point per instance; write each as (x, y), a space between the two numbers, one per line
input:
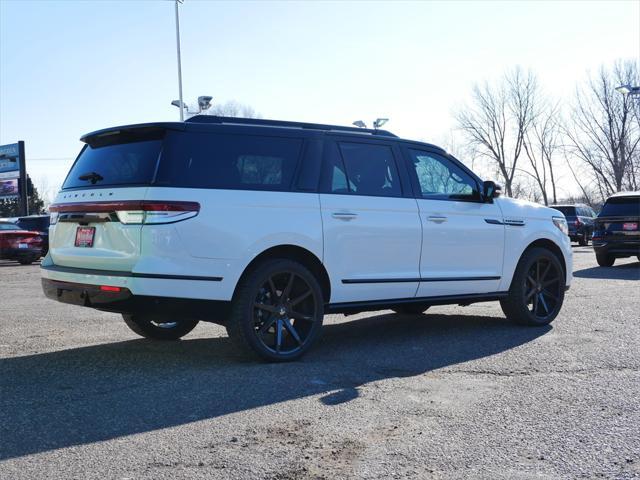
(264, 226)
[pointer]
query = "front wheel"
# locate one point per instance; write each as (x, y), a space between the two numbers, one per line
(537, 289)
(277, 311)
(159, 329)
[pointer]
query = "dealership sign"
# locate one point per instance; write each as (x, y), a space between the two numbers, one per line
(9, 161)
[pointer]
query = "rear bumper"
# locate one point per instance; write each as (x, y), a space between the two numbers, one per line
(144, 284)
(123, 301)
(618, 249)
(17, 253)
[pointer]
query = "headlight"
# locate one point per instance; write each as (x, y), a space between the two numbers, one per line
(561, 223)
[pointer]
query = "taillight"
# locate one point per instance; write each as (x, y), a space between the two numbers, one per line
(159, 212)
(53, 218)
(109, 288)
(134, 211)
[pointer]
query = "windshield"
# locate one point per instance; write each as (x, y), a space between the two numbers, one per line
(132, 163)
(567, 211)
(9, 226)
(621, 207)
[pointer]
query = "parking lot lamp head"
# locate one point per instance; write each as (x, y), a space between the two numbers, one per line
(204, 102)
(379, 122)
(628, 90)
(359, 124)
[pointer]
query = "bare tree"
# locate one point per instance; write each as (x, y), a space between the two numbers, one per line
(543, 142)
(497, 121)
(603, 131)
(233, 108)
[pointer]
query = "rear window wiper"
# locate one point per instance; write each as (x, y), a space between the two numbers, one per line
(94, 177)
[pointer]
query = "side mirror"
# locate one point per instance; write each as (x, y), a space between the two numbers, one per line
(490, 190)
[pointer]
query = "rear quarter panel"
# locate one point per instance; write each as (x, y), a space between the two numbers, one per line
(231, 229)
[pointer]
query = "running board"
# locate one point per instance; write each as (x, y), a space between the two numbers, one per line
(463, 300)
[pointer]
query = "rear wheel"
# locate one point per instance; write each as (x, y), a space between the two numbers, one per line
(277, 311)
(605, 260)
(410, 309)
(159, 329)
(537, 289)
(584, 239)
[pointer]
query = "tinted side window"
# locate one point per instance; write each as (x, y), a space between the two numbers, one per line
(334, 176)
(370, 170)
(246, 162)
(441, 178)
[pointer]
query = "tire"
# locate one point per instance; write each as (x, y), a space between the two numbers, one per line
(147, 327)
(539, 279)
(26, 260)
(410, 309)
(262, 322)
(605, 260)
(583, 240)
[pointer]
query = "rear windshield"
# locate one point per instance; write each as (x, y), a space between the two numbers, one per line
(567, 211)
(41, 223)
(131, 163)
(621, 206)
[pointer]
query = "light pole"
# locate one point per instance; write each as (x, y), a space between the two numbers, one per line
(179, 60)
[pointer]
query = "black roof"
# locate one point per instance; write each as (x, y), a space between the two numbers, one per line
(203, 120)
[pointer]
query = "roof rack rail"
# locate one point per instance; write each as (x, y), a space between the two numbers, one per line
(284, 123)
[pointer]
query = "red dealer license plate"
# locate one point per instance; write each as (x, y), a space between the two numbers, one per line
(84, 236)
(630, 226)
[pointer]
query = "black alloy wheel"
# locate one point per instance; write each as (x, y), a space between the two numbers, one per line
(277, 311)
(537, 289)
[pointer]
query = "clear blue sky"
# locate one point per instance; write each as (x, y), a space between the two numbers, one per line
(69, 67)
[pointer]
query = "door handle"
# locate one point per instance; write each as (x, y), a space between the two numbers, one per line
(437, 218)
(344, 215)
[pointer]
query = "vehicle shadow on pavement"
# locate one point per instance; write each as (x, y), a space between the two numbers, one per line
(90, 394)
(627, 271)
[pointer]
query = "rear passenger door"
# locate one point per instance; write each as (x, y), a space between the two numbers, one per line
(371, 227)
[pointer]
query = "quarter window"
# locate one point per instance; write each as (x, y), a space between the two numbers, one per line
(441, 178)
(246, 162)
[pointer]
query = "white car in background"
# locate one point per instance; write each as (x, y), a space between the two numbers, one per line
(264, 226)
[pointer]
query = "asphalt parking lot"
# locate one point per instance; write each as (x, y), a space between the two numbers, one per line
(456, 393)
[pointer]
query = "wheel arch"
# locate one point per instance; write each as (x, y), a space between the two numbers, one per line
(552, 247)
(299, 254)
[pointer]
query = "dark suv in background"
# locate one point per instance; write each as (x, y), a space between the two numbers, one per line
(580, 219)
(617, 229)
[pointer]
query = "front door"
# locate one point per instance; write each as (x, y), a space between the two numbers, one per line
(463, 237)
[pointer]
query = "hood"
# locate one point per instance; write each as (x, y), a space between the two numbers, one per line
(512, 207)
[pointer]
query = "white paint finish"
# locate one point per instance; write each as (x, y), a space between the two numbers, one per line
(458, 242)
(538, 225)
(195, 289)
(116, 246)
(382, 241)
(381, 238)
